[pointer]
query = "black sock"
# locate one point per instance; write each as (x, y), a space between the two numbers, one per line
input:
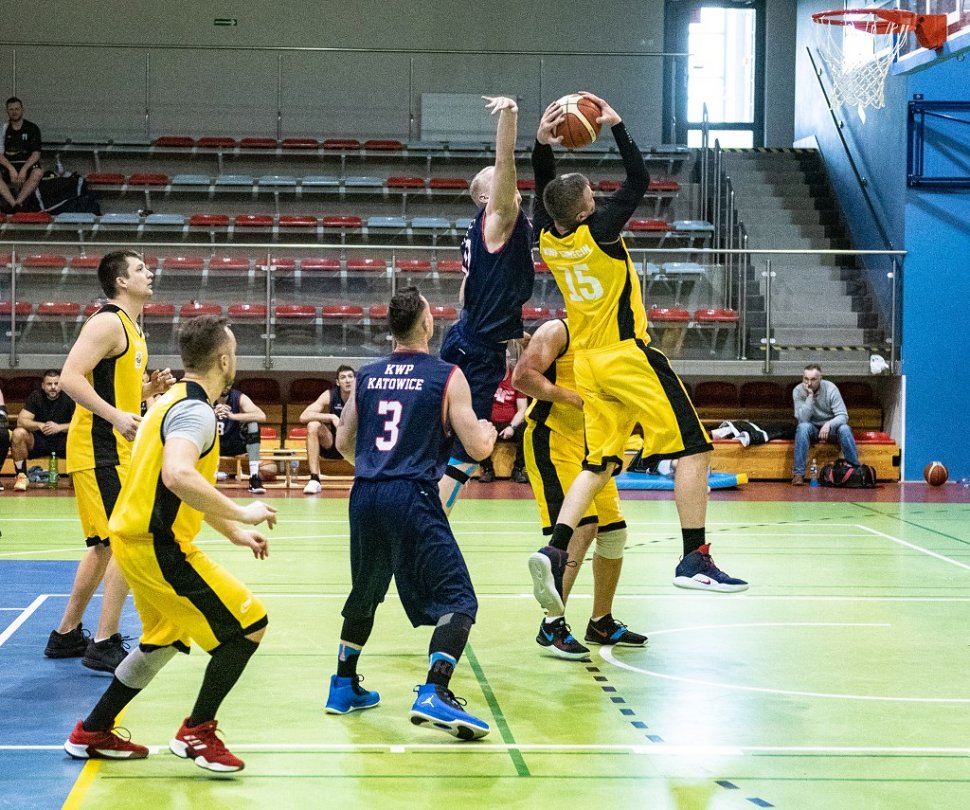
(347, 661)
(114, 699)
(693, 539)
(314, 477)
(561, 535)
(447, 644)
(226, 664)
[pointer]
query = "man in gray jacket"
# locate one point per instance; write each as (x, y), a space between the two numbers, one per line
(822, 416)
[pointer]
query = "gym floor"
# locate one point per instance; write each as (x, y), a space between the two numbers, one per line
(837, 681)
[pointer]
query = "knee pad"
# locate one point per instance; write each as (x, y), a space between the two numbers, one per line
(610, 545)
(250, 432)
(139, 666)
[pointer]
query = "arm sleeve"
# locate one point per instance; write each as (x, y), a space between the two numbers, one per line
(544, 170)
(193, 420)
(611, 216)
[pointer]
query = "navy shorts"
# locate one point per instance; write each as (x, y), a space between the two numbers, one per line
(483, 366)
(399, 529)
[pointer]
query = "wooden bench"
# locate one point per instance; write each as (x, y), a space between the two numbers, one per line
(773, 461)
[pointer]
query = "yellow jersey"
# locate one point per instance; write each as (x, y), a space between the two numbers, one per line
(147, 511)
(558, 416)
(92, 441)
(603, 299)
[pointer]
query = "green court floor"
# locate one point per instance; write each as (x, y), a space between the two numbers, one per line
(839, 680)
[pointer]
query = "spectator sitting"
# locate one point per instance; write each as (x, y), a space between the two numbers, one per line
(4, 433)
(238, 428)
(41, 426)
(321, 417)
(508, 416)
(20, 170)
(822, 416)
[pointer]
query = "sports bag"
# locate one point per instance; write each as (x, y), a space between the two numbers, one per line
(848, 476)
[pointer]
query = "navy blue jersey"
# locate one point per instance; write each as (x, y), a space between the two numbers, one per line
(496, 284)
(336, 401)
(401, 432)
(228, 429)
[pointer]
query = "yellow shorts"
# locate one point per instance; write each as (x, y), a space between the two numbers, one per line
(182, 595)
(553, 462)
(97, 492)
(630, 383)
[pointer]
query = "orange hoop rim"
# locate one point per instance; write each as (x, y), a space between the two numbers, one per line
(877, 20)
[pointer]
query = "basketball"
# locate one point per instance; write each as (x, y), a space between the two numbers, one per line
(579, 128)
(267, 471)
(935, 473)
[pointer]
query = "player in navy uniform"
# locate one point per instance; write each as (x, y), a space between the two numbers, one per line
(499, 274)
(397, 430)
(238, 426)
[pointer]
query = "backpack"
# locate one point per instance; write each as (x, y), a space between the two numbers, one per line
(848, 476)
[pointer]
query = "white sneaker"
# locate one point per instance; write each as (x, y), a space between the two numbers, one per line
(312, 487)
(20, 483)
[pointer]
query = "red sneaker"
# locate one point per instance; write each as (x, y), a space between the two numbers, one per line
(201, 743)
(102, 744)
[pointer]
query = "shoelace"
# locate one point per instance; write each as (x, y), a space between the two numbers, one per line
(121, 733)
(355, 684)
(211, 735)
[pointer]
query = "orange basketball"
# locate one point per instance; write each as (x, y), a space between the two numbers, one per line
(267, 471)
(935, 473)
(579, 128)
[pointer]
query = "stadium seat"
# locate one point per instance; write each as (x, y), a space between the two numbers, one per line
(320, 263)
(228, 263)
(714, 323)
(671, 325)
(30, 218)
(341, 143)
(296, 311)
(347, 315)
(295, 322)
(46, 260)
(430, 224)
(234, 180)
(342, 222)
(648, 225)
(363, 181)
(405, 182)
(448, 183)
(149, 179)
(383, 145)
(277, 181)
(449, 266)
(857, 394)
(154, 309)
(209, 221)
(297, 221)
(75, 218)
(254, 221)
(609, 185)
(320, 180)
(217, 142)
(278, 262)
(104, 179)
(261, 390)
(165, 220)
(307, 389)
(90, 309)
(61, 316)
(525, 184)
(191, 180)
(716, 393)
(663, 185)
(120, 220)
(85, 262)
(258, 143)
(387, 223)
(300, 143)
(174, 141)
(364, 265)
(762, 394)
(247, 312)
(193, 309)
(679, 276)
(183, 263)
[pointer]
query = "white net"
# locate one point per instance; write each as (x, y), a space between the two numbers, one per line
(859, 80)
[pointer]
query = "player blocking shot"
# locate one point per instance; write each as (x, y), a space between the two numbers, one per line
(397, 430)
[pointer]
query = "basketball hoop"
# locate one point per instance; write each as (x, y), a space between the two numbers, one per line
(863, 82)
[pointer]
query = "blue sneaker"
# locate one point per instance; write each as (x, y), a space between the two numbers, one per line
(546, 567)
(438, 707)
(698, 571)
(347, 695)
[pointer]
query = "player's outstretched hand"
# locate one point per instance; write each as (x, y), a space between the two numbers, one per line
(161, 380)
(496, 104)
(610, 117)
(551, 118)
(256, 512)
(252, 539)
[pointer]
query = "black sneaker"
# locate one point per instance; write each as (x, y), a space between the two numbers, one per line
(519, 476)
(487, 475)
(256, 485)
(556, 638)
(105, 655)
(608, 630)
(71, 644)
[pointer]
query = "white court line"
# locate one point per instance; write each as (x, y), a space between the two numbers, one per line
(42, 551)
(913, 546)
(28, 612)
(483, 747)
(607, 654)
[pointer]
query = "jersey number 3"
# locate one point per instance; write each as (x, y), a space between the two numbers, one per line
(393, 411)
(582, 285)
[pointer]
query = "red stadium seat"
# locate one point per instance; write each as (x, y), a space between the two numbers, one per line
(31, 218)
(261, 389)
(414, 265)
(17, 389)
(383, 145)
(217, 142)
(525, 184)
(296, 311)
(247, 311)
(258, 143)
(104, 179)
(377, 311)
(342, 222)
(228, 263)
(319, 263)
(23, 308)
(297, 221)
(155, 309)
(174, 141)
(268, 434)
(59, 309)
(716, 316)
(668, 314)
(341, 311)
(609, 185)
(254, 221)
(48, 260)
(85, 262)
(443, 312)
(209, 220)
(148, 179)
(341, 143)
(534, 313)
(449, 266)
(663, 185)
(184, 263)
(541, 267)
(448, 183)
(671, 323)
(300, 143)
(279, 262)
(366, 265)
(91, 308)
(194, 309)
(405, 182)
(659, 225)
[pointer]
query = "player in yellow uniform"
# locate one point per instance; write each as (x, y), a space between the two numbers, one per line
(554, 452)
(621, 379)
(103, 375)
(181, 595)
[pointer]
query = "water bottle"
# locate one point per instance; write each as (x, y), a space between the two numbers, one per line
(813, 474)
(52, 474)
